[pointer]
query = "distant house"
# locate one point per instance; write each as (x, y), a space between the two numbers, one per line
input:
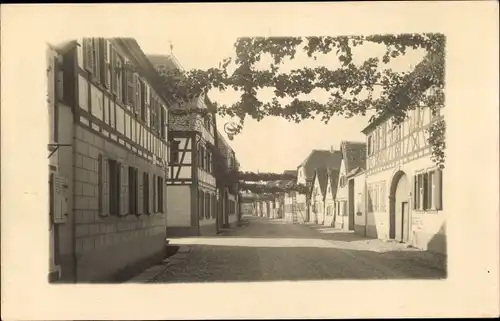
(404, 185)
(318, 193)
(353, 162)
(331, 191)
(317, 159)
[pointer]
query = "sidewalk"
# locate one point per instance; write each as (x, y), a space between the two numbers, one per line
(355, 241)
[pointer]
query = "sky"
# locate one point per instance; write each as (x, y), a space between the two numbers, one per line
(273, 144)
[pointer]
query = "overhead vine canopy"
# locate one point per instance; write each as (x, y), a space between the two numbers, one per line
(257, 188)
(354, 88)
(256, 177)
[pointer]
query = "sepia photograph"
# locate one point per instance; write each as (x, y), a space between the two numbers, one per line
(252, 157)
(149, 163)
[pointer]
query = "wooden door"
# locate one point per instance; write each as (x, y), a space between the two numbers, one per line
(405, 214)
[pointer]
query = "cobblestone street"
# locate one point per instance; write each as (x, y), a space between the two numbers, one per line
(272, 250)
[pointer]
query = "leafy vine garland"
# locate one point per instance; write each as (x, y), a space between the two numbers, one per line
(352, 86)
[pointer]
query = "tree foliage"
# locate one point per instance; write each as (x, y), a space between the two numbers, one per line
(354, 88)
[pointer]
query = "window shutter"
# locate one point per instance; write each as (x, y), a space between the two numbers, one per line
(438, 190)
(96, 70)
(415, 191)
(88, 54)
(113, 74)
(425, 190)
(106, 66)
(430, 189)
(137, 96)
(148, 104)
(103, 186)
(140, 192)
(124, 195)
(155, 203)
(151, 194)
(125, 73)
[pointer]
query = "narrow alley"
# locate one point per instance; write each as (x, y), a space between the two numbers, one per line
(272, 250)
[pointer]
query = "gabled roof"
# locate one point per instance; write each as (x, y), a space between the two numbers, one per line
(321, 175)
(354, 155)
(333, 176)
(320, 158)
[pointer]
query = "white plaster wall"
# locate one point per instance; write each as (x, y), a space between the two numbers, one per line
(178, 206)
(359, 203)
(423, 224)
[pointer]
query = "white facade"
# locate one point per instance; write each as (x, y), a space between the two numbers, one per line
(404, 186)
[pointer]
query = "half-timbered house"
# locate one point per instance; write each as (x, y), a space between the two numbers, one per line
(108, 159)
(353, 161)
(404, 186)
(191, 184)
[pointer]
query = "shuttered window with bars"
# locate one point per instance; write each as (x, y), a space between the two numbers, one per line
(155, 197)
(104, 62)
(104, 188)
(160, 194)
(111, 185)
(133, 190)
(143, 98)
(146, 197)
(427, 191)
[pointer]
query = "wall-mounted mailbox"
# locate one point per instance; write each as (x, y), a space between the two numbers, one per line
(59, 199)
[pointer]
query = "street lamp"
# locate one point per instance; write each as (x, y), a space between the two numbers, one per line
(230, 129)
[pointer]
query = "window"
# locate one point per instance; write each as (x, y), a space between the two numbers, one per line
(155, 202)
(120, 120)
(127, 126)
(201, 216)
(129, 88)
(91, 57)
(163, 123)
(145, 190)
(104, 61)
(96, 107)
(106, 110)
(342, 181)
(137, 103)
(114, 187)
(83, 93)
(174, 154)
(201, 156)
(160, 193)
(207, 206)
(427, 191)
(143, 95)
(133, 185)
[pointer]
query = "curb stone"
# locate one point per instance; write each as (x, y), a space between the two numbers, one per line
(151, 273)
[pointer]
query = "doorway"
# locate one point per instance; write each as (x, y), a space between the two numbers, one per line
(399, 214)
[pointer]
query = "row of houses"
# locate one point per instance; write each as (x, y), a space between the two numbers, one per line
(125, 173)
(386, 187)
